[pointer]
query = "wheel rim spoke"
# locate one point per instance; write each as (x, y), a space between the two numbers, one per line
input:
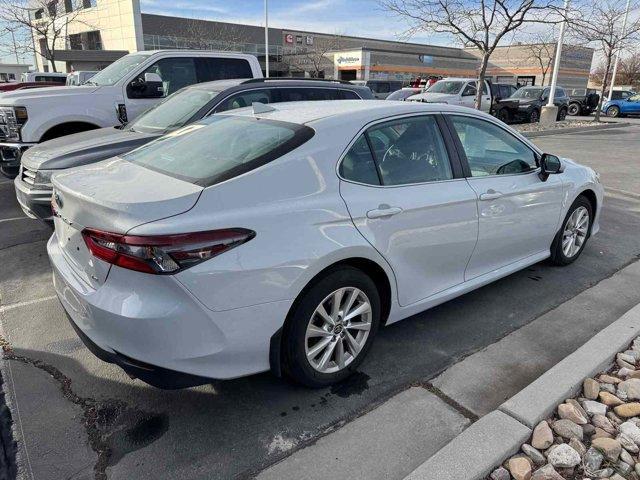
(314, 331)
(340, 354)
(328, 353)
(318, 347)
(353, 345)
(359, 326)
(363, 308)
(324, 315)
(337, 300)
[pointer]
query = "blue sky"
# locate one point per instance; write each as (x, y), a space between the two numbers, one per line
(352, 17)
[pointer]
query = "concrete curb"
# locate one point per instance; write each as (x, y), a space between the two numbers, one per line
(485, 444)
(560, 131)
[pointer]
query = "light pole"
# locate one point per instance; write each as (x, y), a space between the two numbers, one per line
(615, 65)
(266, 37)
(550, 111)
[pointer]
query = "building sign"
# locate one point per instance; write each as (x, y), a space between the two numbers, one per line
(288, 38)
(348, 59)
(309, 40)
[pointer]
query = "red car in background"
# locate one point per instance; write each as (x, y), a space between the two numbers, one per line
(6, 87)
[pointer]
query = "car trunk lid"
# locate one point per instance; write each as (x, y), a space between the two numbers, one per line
(114, 196)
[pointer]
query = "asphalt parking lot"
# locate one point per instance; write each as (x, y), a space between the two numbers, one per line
(80, 418)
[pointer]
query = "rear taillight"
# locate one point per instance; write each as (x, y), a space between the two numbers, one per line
(162, 254)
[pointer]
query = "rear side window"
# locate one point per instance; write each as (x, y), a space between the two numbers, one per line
(358, 164)
(209, 69)
(349, 95)
(307, 94)
(220, 148)
(246, 99)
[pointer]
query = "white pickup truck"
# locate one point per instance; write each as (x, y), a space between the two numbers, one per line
(115, 95)
(455, 91)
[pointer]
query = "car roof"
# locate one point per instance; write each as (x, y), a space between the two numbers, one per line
(346, 110)
(251, 83)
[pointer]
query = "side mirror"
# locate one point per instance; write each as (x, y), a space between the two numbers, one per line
(149, 87)
(549, 165)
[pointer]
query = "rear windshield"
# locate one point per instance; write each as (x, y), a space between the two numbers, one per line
(219, 148)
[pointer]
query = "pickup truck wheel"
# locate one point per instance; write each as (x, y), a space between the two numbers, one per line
(574, 109)
(613, 111)
(534, 116)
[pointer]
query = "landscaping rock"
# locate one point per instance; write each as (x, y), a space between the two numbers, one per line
(624, 364)
(564, 456)
(607, 387)
(609, 379)
(534, 454)
(520, 468)
(575, 403)
(590, 388)
(614, 418)
(542, 436)
(588, 429)
(604, 473)
(627, 443)
(627, 458)
(600, 433)
(578, 446)
(500, 473)
(625, 372)
(570, 412)
(626, 358)
(630, 388)
(567, 429)
(609, 447)
(604, 423)
(628, 410)
(546, 473)
(632, 431)
(609, 399)
(594, 408)
(592, 460)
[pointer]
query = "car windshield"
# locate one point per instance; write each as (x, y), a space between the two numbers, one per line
(219, 148)
(527, 92)
(118, 69)
(173, 112)
(446, 86)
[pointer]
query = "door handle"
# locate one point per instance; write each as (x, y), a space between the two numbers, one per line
(490, 195)
(383, 210)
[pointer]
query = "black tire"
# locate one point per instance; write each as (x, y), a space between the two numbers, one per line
(613, 111)
(294, 358)
(503, 115)
(534, 116)
(562, 114)
(558, 256)
(574, 109)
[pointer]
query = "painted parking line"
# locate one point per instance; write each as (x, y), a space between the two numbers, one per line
(11, 306)
(3, 220)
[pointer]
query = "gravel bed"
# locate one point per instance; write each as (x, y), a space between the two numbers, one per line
(593, 436)
(536, 127)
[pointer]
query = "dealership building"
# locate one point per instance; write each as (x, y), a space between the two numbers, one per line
(106, 30)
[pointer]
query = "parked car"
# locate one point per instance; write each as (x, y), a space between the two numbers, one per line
(114, 96)
(582, 101)
(33, 184)
(532, 99)
(502, 107)
(622, 94)
(7, 87)
(381, 88)
(268, 238)
(404, 93)
(455, 91)
(620, 108)
(53, 77)
(78, 78)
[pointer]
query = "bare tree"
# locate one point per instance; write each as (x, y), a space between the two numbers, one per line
(475, 23)
(313, 58)
(600, 24)
(204, 35)
(542, 53)
(44, 22)
(629, 73)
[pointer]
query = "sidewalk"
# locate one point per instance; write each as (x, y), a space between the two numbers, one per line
(407, 430)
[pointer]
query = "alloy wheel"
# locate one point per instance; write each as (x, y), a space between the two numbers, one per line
(534, 117)
(575, 232)
(338, 330)
(613, 112)
(574, 109)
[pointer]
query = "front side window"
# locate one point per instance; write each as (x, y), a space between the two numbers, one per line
(219, 148)
(490, 150)
(173, 112)
(410, 151)
(528, 93)
(446, 86)
(634, 98)
(117, 70)
(176, 73)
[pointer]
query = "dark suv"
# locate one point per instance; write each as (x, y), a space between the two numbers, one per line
(33, 183)
(532, 99)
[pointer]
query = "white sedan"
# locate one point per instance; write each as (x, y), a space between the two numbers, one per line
(282, 237)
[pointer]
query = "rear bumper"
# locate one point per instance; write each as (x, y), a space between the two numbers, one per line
(35, 202)
(10, 154)
(153, 328)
